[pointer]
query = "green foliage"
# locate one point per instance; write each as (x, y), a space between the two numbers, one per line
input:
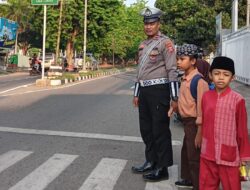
(127, 32)
(113, 28)
(193, 21)
(33, 51)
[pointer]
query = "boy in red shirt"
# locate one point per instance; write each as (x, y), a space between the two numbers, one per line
(225, 144)
(189, 109)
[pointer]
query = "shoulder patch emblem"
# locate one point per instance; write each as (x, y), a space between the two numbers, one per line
(141, 46)
(169, 46)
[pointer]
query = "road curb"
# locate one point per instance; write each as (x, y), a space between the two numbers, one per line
(59, 82)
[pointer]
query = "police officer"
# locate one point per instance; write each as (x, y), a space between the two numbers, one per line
(155, 88)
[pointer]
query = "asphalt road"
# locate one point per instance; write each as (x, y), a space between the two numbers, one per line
(66, 137)
(82, 136)
(15, 81)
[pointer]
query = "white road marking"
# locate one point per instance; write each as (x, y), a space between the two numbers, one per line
(10, 158)
(105, 175)
(11, 89)
(165, 184)
(58, 87)
(76, 134)
(46, 173)
(123, 92)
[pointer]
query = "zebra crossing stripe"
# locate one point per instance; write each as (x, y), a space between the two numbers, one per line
(10, 158)
(46, 173)
(165, 184)
(105, 175)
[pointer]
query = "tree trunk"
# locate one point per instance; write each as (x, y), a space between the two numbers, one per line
(69, 48)
(69, 52)
(59, 32)
(24, 46)
(15, 50)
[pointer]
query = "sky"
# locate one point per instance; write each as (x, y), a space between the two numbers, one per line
(150, 2)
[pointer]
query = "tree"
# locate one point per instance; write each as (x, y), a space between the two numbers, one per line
(72, 26)
(123, 38)
(193, 21)
(102, 19)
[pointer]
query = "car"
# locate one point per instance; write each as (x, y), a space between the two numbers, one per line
(49, 60)
(78, 60)
(94, 63)
(90, 62)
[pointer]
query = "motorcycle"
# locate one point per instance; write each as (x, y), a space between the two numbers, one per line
(35, 67)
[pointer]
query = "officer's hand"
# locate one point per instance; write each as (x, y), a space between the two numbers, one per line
(170, 111)
(174, 105)
(136, 101)
(198, 138)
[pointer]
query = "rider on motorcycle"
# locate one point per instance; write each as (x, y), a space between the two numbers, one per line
(36, 63)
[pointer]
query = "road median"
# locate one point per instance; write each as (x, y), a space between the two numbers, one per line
(55, 79)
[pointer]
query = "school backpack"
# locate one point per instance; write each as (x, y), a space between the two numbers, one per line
(194, 84)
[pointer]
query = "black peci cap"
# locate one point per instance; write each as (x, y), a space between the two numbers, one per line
(224, 63)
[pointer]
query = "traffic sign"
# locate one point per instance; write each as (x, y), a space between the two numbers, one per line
(44, 2)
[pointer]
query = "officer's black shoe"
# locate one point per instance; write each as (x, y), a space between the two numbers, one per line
(184, 184)
(147, 166)
(157, 175)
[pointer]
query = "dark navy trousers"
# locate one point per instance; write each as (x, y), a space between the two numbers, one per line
(154, 103)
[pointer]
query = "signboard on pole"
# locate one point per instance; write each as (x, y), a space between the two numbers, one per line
(44, 2)
(8, 30)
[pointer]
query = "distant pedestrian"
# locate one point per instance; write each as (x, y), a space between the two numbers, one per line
(225, 144)
(156, 85)
(189, 109)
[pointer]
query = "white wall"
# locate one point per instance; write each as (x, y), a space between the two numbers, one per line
(23, 61)
(237, 46)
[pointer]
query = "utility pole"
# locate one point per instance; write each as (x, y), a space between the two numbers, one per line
(235, 16)
(59, 32)
(248, 7)
(113, 48)
(85, 36)
(44, 36)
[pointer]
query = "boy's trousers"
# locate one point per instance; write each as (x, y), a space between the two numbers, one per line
(211, 174)
(190, 155)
